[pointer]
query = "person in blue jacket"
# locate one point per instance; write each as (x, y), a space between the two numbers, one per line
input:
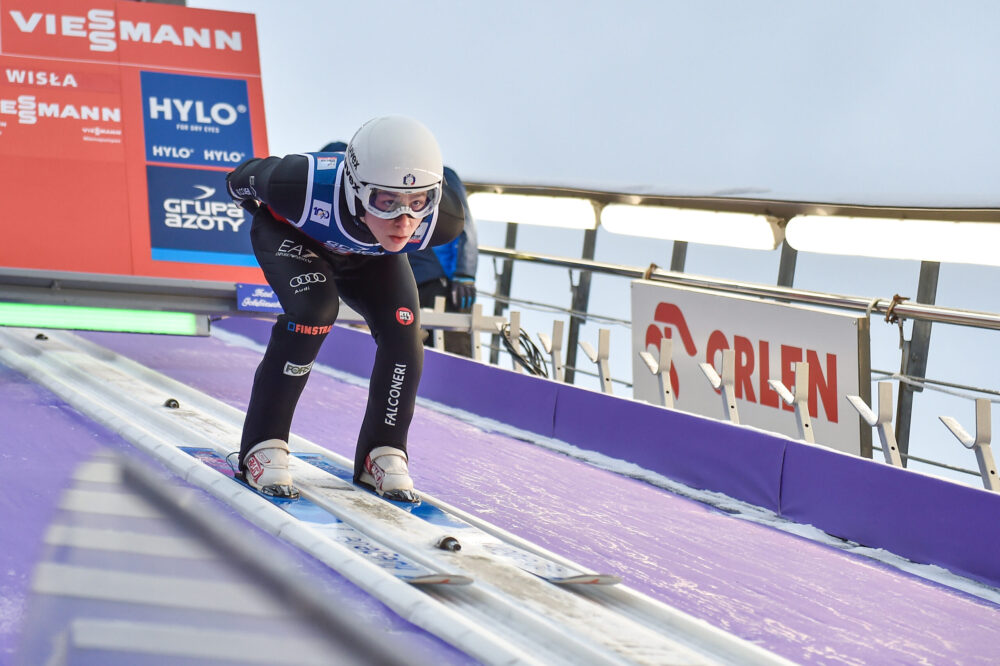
(447, 270)
(334, 225)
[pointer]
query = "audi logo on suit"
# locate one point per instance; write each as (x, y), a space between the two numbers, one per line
(306, 278)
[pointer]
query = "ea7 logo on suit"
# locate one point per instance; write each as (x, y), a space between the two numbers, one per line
(306, 278)
(290, 249)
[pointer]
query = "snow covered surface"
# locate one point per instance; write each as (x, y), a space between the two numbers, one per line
(798, 597)
(44, 442)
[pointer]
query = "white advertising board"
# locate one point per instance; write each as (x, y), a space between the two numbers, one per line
(768, 339)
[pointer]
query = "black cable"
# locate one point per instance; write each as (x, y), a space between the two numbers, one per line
(531, 359)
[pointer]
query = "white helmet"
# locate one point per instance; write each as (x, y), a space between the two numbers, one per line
(392, 156)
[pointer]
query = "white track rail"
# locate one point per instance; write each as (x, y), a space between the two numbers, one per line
(506, 616)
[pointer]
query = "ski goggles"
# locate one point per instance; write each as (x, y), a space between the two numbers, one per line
(389, 204)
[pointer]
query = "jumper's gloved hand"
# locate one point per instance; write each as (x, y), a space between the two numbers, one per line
(241, 194)
(463, 291)
(238, 191)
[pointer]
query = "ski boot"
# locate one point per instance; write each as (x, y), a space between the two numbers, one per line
(265, 468)
(386, 472)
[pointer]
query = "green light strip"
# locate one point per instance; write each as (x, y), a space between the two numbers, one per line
(74, 317)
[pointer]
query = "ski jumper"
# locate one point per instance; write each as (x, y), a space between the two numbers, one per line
(313, 253)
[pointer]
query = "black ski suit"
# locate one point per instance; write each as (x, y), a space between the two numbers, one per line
(314, 252)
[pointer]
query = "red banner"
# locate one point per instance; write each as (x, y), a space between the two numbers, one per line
(118, 123)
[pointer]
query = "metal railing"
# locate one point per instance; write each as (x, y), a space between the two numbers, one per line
(896, 308)
(902, 309)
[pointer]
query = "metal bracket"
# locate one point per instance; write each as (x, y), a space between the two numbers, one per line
(726, 383)
(473, 323)
(553, 347)
(881, 421)
(600, 357)
(661, 368)
(980, 443)
(799, 398)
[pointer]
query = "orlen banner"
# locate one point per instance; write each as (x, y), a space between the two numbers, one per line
(768, 339)
(118, 123)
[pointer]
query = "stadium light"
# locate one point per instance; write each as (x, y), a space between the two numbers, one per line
(71, 317)
(922, 240)
(746, 230)
(565, 212)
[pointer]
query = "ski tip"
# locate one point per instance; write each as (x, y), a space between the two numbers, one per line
(587, 579)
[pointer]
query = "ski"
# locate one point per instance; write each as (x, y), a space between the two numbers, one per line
(337, 530)
(525, 560)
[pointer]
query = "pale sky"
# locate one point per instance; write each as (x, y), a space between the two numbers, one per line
(860, 101)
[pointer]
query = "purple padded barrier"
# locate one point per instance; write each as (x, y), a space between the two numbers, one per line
(700, 452)
(518, 400)
(920, 517)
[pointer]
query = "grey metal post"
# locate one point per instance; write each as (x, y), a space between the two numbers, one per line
(581, 300)
(679, 256)
(913, 360)
(786, 267)
(503, 289)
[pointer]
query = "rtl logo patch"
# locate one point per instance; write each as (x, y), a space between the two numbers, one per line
(405, 316)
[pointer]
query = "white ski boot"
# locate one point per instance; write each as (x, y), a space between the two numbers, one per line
(386, 472)
(265, 468)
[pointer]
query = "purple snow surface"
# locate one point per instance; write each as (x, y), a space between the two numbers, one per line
(43, 440)
(798, 598)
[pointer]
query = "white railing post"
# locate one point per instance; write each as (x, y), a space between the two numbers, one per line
(475, 326)
(553, 348)
(799, 398)
(980, 443)
(600, 357)
(661, 368)
(881, 421)
(437, 333)
(725, 383)
(514, 338)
